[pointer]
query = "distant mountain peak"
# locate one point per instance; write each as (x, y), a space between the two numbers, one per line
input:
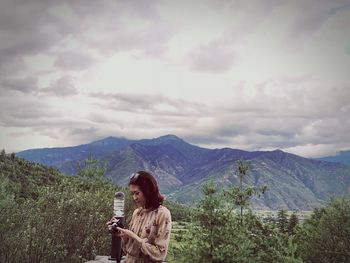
(111, 138)
(169, 137)
(278, 151)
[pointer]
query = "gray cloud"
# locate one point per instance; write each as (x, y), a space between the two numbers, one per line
(24, 33)
(42, 118)
(125, 102)
(148, 104)
(150, 41)
(301, 114)
(73, 60)
(116, 27)
(215, 57)
(223, 53)
(62, 87)
(251, 127)
(25, 111)
(100, 118)
(304, 113)
(84, 132)
(312, 15)
(206, 139)
(25, 85)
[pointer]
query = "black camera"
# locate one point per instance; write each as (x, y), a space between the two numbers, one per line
(112, 226)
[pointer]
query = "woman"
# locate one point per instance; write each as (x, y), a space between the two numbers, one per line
(148, 238)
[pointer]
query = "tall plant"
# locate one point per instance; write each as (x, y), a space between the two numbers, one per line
(240, 196)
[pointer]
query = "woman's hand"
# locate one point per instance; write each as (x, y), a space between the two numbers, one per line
(111, 222)
(126, 233)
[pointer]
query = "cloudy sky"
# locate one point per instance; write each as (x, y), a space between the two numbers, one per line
(253, 75)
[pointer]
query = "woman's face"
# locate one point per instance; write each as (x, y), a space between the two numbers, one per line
(137, 195)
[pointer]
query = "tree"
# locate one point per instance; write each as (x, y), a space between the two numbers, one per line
(292, 224)
(2, 155)
(216, 235)
(282, 221)
(324, 238)
(242, 168)
(91, 169)
(241, 196)
(211, 218)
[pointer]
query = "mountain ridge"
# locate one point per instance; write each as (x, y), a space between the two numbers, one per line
(181, 168)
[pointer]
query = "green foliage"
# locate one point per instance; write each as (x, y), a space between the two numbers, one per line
(179, 212)
(216, 235)
(208, 231)
(91, 169)
(325, 236)
(48, 217)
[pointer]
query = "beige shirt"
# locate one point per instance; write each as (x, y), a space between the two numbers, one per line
(153, 227)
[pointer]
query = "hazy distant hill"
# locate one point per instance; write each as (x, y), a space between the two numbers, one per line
(341, 157)
(294, 182)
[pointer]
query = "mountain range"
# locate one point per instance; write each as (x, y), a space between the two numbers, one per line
(341, 157)
(293, 182)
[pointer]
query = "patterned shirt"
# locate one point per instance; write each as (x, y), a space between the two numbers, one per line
(153, 227)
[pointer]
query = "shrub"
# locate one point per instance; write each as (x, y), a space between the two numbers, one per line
(48, 217)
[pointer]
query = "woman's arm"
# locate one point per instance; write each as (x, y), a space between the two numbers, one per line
(158, 249)
(126, 233)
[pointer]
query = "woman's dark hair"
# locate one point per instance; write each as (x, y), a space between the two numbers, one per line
(149, 187)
